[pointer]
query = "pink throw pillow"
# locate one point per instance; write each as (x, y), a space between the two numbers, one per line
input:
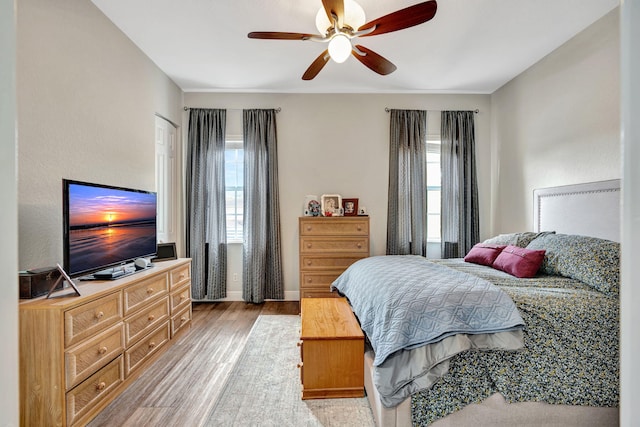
(519, 262)
(484, 254)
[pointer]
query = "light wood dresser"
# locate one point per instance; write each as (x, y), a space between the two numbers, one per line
(328, 245)
(77, 353)
(331, 350)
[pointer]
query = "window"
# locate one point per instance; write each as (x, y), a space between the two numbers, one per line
(433, 191)
(234, 182)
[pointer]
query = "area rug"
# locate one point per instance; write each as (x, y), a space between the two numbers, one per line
(263, 388)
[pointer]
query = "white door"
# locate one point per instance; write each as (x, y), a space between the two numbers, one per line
(166, 180)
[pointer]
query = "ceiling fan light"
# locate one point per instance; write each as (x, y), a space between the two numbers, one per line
(353, 16)
(340, 48)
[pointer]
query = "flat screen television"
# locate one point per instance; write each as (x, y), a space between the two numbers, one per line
(106, 226)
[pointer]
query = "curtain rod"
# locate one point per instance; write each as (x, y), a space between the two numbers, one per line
(387, 109)
(235, 109)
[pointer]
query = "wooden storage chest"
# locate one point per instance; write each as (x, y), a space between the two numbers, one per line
(331, 350)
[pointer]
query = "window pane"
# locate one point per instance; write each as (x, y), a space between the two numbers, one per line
(433, 175)
(433, 226)
(433, 201)
(234, 169)
(434, 182)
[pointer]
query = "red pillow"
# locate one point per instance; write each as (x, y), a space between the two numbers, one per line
(484, 254)
(519, 262)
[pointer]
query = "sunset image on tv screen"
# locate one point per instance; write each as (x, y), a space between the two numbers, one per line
(97, 206)
(109, 225)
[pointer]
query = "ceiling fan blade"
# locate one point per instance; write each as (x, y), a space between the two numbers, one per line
(271, 35)
(373, 61)
(316, 65)
(334, 7)
(401, 19)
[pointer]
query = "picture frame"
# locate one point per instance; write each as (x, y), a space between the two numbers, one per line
(165, 252)
(331, 205)
(350, 207)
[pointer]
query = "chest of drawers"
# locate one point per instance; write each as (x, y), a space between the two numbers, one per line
(328, 245)
(77, 353)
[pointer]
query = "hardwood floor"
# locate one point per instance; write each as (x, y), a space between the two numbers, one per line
(185, 382)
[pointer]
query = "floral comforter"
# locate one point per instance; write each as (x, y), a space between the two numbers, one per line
(571, 353)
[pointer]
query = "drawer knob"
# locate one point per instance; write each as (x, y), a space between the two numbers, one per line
(359, 245)
(149, 290)
(151, 317)
(299, 343)
(309, 262)
(300, 365)
(308, 228)
(101, 385)
(359, 228)
(182, 297)
(102, 350)
(309, 280)
(182, 276)
(99, 315)
(308, 245)
(183, 319)
(152, 344)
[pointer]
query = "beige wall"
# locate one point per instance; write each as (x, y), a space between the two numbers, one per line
(557, 123)
(87, 98)
(340, 144)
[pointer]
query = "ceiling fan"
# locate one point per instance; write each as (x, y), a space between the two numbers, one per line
(344, 20)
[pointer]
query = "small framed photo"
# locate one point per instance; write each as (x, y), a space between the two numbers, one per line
(331, 205)
(165, 252)
(350, 207)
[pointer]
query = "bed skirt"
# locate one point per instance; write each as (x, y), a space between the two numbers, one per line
(494, 411)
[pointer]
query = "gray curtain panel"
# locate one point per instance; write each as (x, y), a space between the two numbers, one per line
(407, 203)
(460, 216)
(262, 259)
(205, 203)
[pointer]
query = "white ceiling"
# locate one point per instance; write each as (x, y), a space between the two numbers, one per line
(470, 46)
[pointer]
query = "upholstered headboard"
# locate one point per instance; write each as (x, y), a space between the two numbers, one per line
(591, 209)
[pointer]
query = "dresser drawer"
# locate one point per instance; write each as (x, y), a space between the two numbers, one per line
(148, 319)
(149, 345)
(332, 226)
(87, 357)
(97, 387)
(180, 320)
(330, 244)
(180, 298)
(147, 290)
(319, 279)
(89, 319)
(318, 262)
(180, 276)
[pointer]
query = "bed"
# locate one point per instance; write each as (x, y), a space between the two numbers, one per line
(547, 356)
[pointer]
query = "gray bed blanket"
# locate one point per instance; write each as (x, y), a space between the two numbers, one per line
(406, 301)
